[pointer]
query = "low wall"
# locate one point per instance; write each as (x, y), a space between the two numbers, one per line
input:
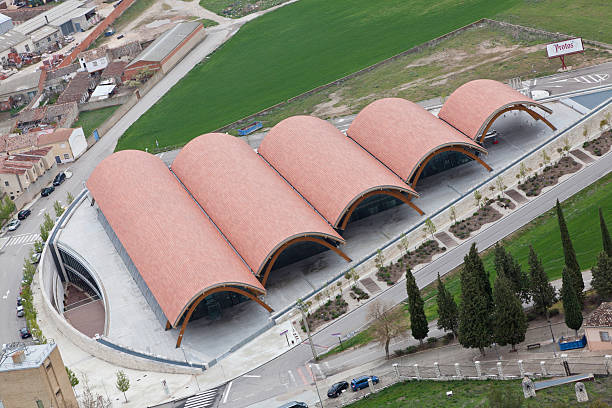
(104, 103)
(185, 48)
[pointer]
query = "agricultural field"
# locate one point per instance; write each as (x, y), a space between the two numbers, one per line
(294, 49)
(238, 8)
(429, 394)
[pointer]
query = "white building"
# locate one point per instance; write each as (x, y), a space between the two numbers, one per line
(94, 60)
(6, 23)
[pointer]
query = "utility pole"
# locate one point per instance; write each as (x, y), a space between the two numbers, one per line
(303, 308)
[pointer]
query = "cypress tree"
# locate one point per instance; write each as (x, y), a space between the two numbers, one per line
(602, 276)
(447, 309)
(506, 265)
(418, 321)
(605, 235)
(570, 255)
(542, 292)
(476, 304)
(571, 304)
(510, 323)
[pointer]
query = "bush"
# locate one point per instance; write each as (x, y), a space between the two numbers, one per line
(432, 340)
(553, 312)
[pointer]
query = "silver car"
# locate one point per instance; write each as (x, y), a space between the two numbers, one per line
(13, 225)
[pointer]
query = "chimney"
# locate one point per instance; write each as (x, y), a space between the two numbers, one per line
(18, 357)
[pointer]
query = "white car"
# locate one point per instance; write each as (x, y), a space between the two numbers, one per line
(13, 225)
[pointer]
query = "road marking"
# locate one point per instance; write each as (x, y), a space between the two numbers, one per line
(41, 212)
(227, 391)
(310, 371)
(22, 239)
(292, 377)
(7, 293)
(202, 399)
(251, 376)
(302, 376)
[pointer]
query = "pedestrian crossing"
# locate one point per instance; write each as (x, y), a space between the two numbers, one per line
(305, 375)
(204, 399)
(22, 239)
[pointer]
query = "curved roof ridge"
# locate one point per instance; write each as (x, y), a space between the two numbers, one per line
(401, 134)
(250, 203)
(472, 106)
(175, 248)
(328, 169)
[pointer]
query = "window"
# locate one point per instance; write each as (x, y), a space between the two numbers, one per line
(66, 156)
(6, 183)
(48, 39)
(95, 63)
(27, 48)
(604, 336)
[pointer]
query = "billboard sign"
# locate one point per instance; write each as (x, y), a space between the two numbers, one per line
(562, 48)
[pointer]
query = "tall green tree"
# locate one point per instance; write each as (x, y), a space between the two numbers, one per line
(605, 235)
(506, 265)
(571, 303)
(602, 276)
(570, 255)
(418, 321)
(448, 314)
(475, 310)
(510, 323)
(543, 293)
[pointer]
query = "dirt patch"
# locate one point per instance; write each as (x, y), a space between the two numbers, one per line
(601, 145)
(487, 214)
(422, 255)
(329, 108)
(549, 176)
(328, 311)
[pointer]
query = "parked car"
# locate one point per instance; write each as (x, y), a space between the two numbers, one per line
(68, 38)
(294, 404)
(23, 214)
(46, 191)
(24, 332)
(337, 389)
(35, 258)
(362, 382)
(13, 225)
(59, 179)
(20, 311)
(19, 300)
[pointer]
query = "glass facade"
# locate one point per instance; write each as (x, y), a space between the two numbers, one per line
(79, 275)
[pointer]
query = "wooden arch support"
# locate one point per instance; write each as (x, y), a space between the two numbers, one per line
(535, 115)
(209, 292)
(459, 149)
(296, 240)
(392, 193)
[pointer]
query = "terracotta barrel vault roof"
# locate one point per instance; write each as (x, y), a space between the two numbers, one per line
(327, 168)
(471, 106)
(402, 134)
(251, 204)
(178, 252)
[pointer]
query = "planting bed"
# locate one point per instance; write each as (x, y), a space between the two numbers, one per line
(549, 176)
(599, 146)
(485, 215)
(505, 202)
(328, 311)
(423, 254)
(358, 293)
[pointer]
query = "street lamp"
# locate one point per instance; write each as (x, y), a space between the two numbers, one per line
(314, 377)
(187, 361)
(303, 308)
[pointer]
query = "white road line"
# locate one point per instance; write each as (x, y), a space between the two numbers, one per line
(592, 78)
(251, 376)
(292, 377)
(7, 293)
(227, 391)
(585, 80)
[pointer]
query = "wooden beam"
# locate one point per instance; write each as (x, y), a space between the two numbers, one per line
(535, 115)
(293, 241)
(392, 193)
(210, 292)
(459, 149)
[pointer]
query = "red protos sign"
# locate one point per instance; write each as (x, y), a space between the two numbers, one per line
(566, 47)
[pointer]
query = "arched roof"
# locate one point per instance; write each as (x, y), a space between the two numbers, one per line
(327, 168)
(471, 107)
(250, 203)
(402, 134)
(178, 252)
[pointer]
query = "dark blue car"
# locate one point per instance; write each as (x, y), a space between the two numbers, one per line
(362, 382)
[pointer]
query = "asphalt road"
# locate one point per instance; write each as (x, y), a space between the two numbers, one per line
(579, 79)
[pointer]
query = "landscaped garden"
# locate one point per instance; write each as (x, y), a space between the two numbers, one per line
(599, 146)
(549, 176)
(421, 255)
(484, 215)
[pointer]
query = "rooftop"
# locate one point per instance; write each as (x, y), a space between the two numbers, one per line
(78, 12)
(43, 33)
(62, 72)
(20, 82)
(113, 69)
(35, 355)
(166, 43)
(48, 17)
(4, 18)
(10, 39)
(59, 135)
(93, 54)
(77, 87)
(600, 317)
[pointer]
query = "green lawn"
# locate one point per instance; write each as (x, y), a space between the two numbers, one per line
(292, 50)
(91, 120)
(587, 18)
(429, 394)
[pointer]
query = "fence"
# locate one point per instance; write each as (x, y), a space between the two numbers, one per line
(479, 370)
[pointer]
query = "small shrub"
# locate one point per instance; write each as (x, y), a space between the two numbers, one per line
(432, 340)
(553, 312)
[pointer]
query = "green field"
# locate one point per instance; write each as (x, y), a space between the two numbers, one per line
(292, 50)
(429, 394)
(237, 8)
(91, 120)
